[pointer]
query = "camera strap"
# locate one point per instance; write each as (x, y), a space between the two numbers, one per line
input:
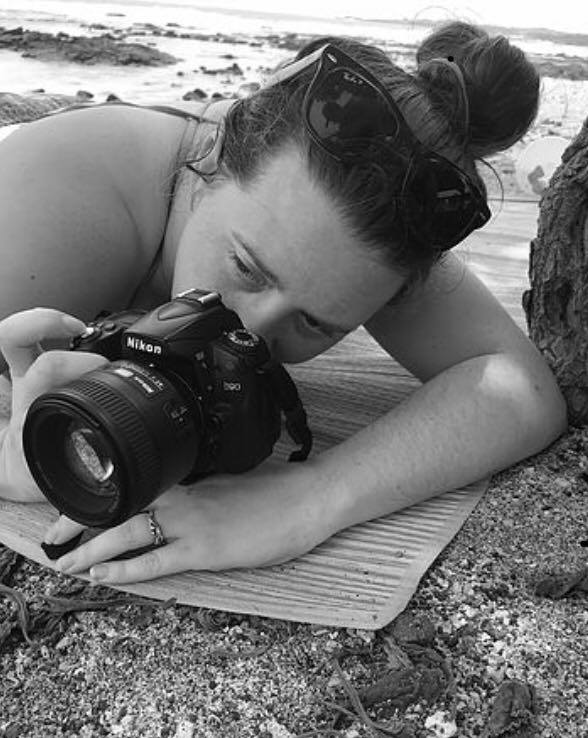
(287, 396)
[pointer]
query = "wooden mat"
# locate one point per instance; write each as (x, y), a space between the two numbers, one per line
(362, 577)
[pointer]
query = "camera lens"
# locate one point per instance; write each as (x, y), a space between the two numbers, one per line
(88, 457)
(104, 446)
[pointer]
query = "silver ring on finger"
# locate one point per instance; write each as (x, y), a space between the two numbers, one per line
(155, 529)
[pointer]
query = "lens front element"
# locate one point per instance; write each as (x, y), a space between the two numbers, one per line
(89, 459)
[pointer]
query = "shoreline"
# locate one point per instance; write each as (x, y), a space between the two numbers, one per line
(112, 46)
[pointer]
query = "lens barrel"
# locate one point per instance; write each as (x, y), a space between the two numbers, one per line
(104, 446)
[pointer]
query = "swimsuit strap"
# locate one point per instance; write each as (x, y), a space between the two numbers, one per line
(205, 142)
(212, 111)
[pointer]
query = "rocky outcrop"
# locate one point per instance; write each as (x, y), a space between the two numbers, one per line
(104, 49)
(561, 66)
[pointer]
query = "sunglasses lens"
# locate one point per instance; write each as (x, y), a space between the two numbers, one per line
(346, 109)
(352, 117)
(446, 202)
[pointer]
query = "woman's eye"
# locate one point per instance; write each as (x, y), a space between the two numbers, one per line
(312, 326)
(310, 322)
(318, 330)
(246, 272)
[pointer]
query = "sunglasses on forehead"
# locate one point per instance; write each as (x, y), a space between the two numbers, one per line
(351, 116)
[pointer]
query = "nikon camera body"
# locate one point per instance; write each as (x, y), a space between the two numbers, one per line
(189, 391)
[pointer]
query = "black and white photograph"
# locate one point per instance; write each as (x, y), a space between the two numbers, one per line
(293, 369)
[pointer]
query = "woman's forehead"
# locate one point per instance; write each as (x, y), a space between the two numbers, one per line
(285, 201)
(292, 226)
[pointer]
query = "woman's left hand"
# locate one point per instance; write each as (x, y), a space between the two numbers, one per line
(266, 516)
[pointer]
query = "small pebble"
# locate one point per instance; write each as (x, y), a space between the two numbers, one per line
(440, 725)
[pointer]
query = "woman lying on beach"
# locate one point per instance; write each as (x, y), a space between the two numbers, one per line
(307, 232)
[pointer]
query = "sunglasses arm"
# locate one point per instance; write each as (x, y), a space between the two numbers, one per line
(291, 70)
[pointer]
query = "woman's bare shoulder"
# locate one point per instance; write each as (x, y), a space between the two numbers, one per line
(83, 202)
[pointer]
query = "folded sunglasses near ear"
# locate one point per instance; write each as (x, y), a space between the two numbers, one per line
(349, 114)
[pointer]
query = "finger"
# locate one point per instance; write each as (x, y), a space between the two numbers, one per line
(21, 334)
(158, 562)
(49, 370)
(62, 530)
(133, 533)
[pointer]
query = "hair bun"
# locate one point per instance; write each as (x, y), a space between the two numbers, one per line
(500, 85)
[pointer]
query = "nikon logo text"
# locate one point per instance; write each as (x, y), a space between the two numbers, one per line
(138, 344)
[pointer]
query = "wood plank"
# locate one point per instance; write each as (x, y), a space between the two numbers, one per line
(499, 253)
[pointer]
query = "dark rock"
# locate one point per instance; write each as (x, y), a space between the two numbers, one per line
(512, 711)
(196, 94)
(233, 69)
(409, 628)
(560, 65)
(404, 687)
(101, 49)
(84, 95)
(11, 31)
(22, 108)
(9, 563)
(556, 586)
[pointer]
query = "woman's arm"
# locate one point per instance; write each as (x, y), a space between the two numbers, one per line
(488, 400)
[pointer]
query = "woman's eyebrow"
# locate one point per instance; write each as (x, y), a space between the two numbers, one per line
(274, 280)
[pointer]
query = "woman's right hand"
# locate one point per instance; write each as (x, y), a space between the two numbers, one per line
(33, 372)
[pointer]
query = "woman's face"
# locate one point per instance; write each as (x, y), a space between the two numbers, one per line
(281, 256)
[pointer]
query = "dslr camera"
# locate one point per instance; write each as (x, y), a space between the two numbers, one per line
(188, 392)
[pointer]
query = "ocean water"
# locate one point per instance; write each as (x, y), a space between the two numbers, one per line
(564, 102)
(166, 84)
(69, 13)
(187, 13)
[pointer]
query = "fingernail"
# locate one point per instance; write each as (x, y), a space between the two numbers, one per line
(98, 573)
(73, 324)
(65, 565)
